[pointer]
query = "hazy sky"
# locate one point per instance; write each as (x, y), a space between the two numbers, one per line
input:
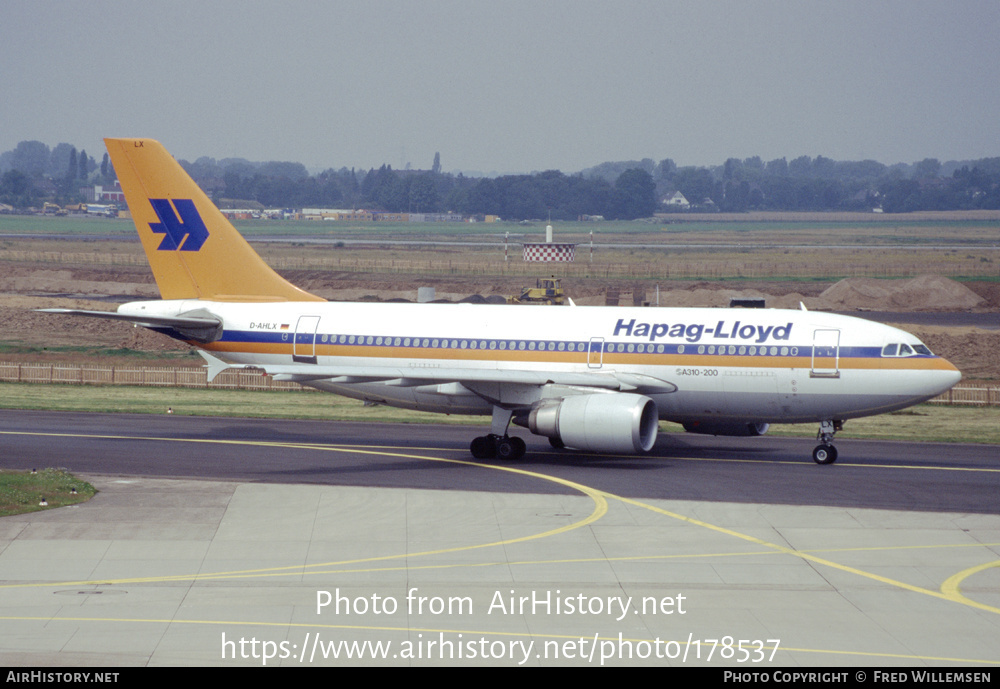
(506, 85)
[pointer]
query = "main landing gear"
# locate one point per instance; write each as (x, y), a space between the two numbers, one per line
(826, 453)
(503, 447)
(498, 445)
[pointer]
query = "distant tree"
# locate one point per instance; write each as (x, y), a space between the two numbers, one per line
(665, 170)
(349, 187)
(482, 198)
(733, 169)
(84, 163)
(868, 170)
(281, 169)
(611, 171)
(823, 167)
(522, 197)
(58, 160)
(634, 195)
(383, 189)
(16, 189)
(74, 167)
(423, 194)
(928, 168)
(436, 167)
(800, 167)
(30, 157)
(695, 183)
(737, 197)
(203, 168)
(900, 196)
(777, 167)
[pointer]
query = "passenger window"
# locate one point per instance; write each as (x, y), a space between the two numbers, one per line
(889, 350)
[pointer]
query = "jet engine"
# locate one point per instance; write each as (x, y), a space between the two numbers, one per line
(615, 422)
(727, 428)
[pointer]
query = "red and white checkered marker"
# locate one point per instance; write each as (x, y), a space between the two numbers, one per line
(565, 253)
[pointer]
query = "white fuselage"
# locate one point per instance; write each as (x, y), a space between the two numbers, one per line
(728, 365)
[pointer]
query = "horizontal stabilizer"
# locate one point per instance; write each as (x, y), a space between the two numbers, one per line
(201, 328)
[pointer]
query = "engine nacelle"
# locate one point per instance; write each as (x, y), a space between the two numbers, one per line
(601, 422)
(727, 428)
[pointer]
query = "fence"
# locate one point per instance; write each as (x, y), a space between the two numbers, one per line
(242, 379)
(236, 379)
(665, 263)
(971, 395)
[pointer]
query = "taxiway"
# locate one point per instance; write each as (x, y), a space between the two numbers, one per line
(214, 542)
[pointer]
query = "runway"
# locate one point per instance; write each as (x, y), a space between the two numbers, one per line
(212, 532)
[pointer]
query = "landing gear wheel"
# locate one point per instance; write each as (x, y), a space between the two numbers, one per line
(483, 447)
(825, 454)
(510, 449)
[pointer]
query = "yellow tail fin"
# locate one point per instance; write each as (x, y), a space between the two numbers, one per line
(193, 250)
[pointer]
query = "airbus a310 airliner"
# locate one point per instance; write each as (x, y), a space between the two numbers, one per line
(596, 379)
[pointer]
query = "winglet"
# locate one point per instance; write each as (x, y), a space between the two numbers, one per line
(193, 250)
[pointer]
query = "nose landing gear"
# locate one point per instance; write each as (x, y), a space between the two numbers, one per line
(826, 453)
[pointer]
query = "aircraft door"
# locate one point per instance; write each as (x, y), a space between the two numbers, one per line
(825, 354)
(304, 344)
(595, 352)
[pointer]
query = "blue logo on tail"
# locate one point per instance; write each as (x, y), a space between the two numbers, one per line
(186, 233)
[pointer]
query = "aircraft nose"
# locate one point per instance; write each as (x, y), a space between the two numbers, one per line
(948, 376)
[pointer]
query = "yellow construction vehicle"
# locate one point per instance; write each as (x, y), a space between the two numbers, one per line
(545, 291)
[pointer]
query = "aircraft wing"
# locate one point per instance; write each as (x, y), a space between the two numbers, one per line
(413, 377)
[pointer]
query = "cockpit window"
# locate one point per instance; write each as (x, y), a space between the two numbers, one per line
(902, 349)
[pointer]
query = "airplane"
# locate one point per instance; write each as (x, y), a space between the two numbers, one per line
(596, 379)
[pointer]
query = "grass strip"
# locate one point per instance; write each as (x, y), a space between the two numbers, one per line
(32, 491)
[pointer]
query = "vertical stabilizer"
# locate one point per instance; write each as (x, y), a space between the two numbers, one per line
(193, 250)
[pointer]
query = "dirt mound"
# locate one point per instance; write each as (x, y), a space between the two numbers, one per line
(990, 291)
(923, 293)
(65, 281)
(976, 353)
